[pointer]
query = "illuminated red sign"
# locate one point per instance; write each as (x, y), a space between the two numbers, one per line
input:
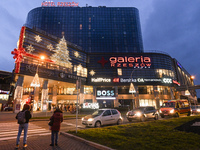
(175, 82)
(116, 80)
(59, 4)
(130, 61)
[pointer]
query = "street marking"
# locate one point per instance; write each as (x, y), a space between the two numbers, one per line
(33, 130)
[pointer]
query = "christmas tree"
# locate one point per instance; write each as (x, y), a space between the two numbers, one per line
(61, 55)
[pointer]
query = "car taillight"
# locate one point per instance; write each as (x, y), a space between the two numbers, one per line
(119, 112)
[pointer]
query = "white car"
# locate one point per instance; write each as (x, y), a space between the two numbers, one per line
(103, 117)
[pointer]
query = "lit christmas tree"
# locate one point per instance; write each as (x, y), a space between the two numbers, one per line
(61, 55)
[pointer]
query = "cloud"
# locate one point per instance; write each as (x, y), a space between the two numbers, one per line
(174, 27)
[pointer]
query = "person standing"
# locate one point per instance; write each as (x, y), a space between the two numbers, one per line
(23, 125)
(57, 118)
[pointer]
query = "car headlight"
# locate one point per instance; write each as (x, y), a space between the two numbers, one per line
(172, 111)
(160, 111)
(90, 119)
(198, 110)
(138, 114)
(82, 119)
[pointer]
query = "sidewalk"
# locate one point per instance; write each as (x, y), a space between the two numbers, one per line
(42, 143)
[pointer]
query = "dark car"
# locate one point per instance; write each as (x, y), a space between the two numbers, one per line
(142, 113)
(8, 109)
(195, 109)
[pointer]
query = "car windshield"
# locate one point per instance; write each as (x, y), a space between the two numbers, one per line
(169, 104)
(97, 113)
(139, 109)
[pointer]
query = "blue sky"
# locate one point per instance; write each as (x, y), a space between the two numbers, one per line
(172, 26)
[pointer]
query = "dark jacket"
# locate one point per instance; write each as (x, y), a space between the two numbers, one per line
(57, 119)
(27, 115)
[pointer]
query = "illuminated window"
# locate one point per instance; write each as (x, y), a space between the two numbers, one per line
(88, 90)
(119, 71)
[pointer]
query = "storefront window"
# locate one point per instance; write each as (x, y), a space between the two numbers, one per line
(147, 102)
(88, 90)
(66, 91)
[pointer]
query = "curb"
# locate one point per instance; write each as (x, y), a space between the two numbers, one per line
(93, 144)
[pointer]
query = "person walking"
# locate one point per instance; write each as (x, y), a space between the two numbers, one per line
(23, 120)
(57, 118)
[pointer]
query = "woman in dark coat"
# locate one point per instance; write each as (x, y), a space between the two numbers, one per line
(57, 118)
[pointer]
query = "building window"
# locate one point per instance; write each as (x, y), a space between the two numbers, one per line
(119, 71)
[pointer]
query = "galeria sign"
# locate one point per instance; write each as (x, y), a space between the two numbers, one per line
(59, 4)
(125, 61)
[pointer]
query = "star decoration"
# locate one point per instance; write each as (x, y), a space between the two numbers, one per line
(92, 72)
(76, 54)
(38, 38)
(50, 47)
(102, 61)
(30, 49)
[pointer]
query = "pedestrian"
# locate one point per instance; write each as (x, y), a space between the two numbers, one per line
(57, 118)
(25, 115)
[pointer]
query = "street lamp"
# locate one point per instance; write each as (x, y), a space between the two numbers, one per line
(132, 88)
(36, 83)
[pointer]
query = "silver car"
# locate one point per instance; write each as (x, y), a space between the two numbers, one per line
(142, 113)
(102, 117)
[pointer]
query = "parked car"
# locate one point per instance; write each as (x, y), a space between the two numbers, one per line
(142, 113)
(8, 109)
(175, 108)
(195, 109)
(102, 117)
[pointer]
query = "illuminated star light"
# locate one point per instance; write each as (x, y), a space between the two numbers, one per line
(30, 49)
(76, 54)
(50, 47)
(38, 38)
(92, 72)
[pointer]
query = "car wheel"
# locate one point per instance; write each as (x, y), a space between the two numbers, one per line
(189, 113)
(142, 118)
(162, 116)
(119, 122)
(156, 117)
(129, 120)
(98, 124)
(176, 115)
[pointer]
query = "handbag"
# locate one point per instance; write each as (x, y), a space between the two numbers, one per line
(50, 123)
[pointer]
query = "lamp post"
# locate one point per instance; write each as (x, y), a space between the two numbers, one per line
(132, 89)
(36, 83)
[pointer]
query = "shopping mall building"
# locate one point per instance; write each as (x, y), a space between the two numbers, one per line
(97, 50)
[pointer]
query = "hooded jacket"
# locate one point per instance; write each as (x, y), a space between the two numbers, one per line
(57, 119)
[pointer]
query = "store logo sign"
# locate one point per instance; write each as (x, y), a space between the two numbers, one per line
(100, 80)
(105, 93)
(167, 80)
(91, 105)
(136, 62)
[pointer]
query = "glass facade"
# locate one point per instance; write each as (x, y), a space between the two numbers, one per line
(95, 29)
(125, 67)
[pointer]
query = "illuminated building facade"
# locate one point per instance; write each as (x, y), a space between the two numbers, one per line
(95, 29)
(104, 66)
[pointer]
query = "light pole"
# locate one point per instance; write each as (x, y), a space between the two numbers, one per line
(36, 83)
(132, 88)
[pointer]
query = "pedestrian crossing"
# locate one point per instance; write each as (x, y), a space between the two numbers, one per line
(9, 131)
